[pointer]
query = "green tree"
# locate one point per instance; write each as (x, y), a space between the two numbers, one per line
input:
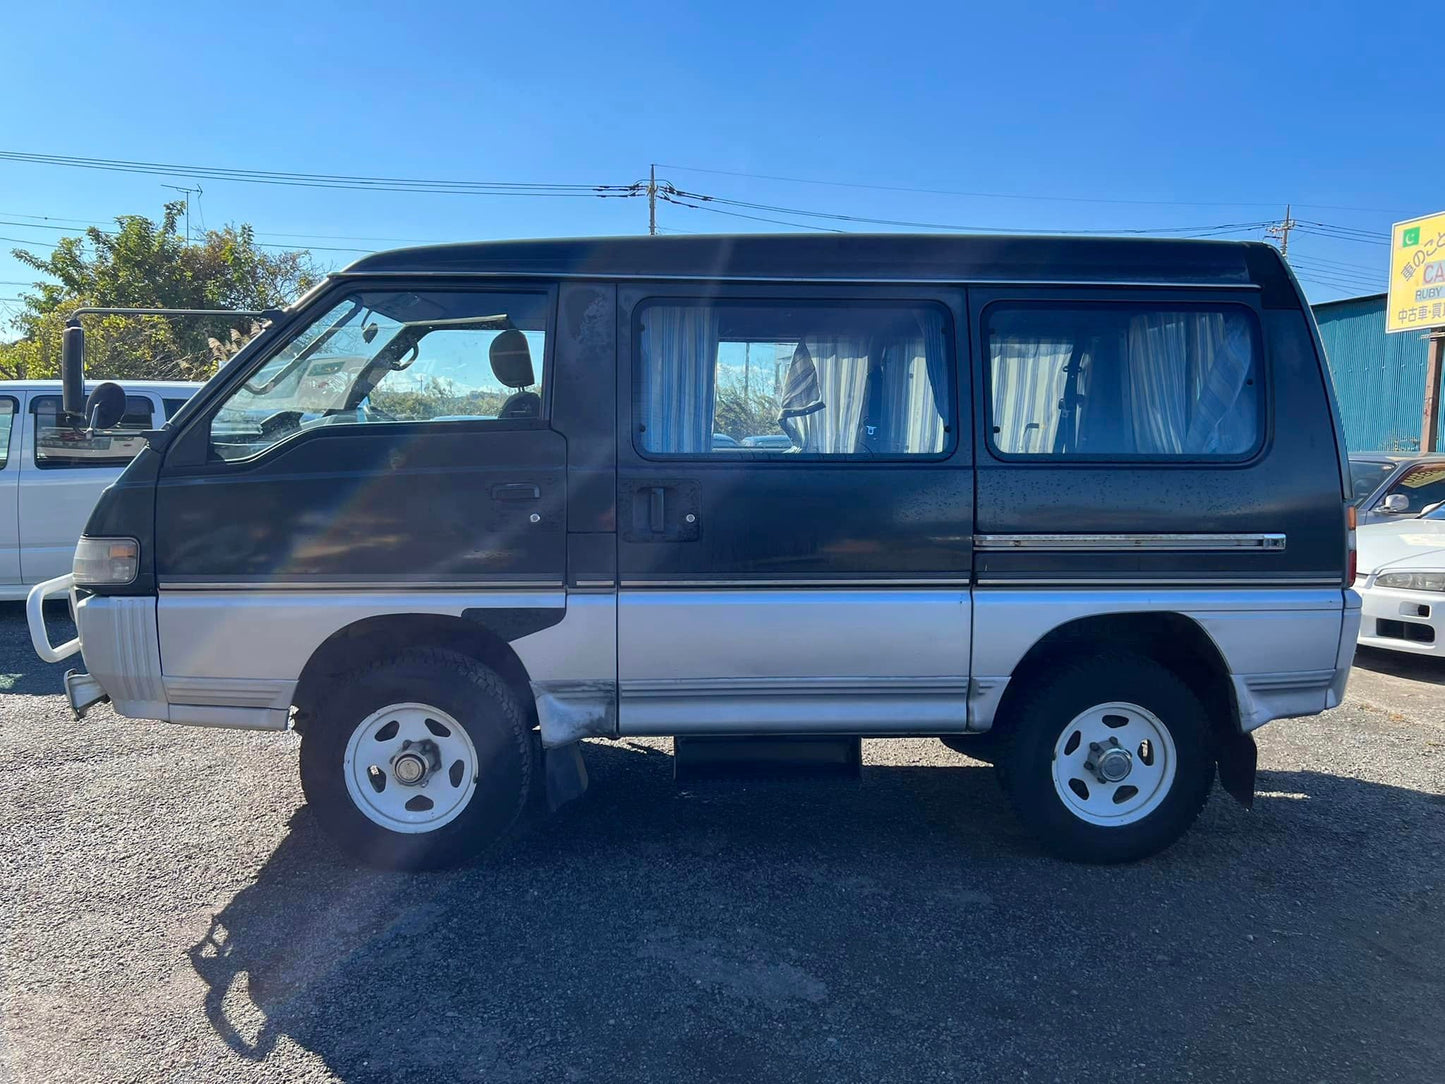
(744, 411)
(143, 264)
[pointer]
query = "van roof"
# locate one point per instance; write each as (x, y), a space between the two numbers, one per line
(890, 257)
(140, 385)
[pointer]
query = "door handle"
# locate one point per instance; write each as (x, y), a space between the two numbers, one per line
(516, 491)
(657, 511)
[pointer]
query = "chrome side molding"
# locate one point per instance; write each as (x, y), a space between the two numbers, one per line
(1157, 543)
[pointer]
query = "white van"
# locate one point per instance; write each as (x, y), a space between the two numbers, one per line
(51, 475)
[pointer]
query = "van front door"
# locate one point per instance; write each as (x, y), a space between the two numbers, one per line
(10, 436)
(393, 455)
(795, 506)
(63, 472)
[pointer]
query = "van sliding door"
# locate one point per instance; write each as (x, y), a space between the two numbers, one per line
(795, 511)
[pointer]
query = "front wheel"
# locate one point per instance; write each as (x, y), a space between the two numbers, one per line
(419, 761)
(1109, 759)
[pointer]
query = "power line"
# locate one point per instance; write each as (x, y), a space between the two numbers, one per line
(1341, 265)
(754, 218)
(326, 180)
(1353, 291)
(677, 195)
(1334, 279)
(1339, 272)
(112, 233)
(1014, 196)
(22, 241)
(102, 226)
(1343, 233)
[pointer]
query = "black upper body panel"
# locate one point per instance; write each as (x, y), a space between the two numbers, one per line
(890, 257)
(427, 502)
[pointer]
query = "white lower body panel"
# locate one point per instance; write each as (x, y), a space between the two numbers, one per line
(233, 658)
(1288, 650)
(793, 660)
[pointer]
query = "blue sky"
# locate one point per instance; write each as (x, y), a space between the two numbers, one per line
(1186, 115)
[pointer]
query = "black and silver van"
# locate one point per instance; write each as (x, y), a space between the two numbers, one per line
(1075, 505)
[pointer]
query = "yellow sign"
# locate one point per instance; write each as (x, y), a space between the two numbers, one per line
(1417, 275)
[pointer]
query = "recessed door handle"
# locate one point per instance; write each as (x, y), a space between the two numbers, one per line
(516, 491)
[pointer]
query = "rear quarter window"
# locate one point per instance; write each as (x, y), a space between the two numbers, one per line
(1121, 381)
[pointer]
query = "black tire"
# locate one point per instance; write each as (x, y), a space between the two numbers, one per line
(1037, 722)
(982, 746)
(470, 693)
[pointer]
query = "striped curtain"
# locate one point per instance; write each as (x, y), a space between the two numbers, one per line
(1189, 381)
(1028, 378)
(915, 372)
(842, 376)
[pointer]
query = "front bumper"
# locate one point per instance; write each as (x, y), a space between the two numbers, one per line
(35, 618)
(1403, 620)
(121, 648)
(121, 644)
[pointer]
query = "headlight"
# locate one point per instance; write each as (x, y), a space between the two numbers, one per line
(1412, 581)
(106, 561)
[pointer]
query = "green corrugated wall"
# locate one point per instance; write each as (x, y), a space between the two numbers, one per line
(1379, 379)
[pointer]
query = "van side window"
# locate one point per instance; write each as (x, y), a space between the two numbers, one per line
(1111, 381)
(378, 357)
(59, 445)
(8, 409)
(813, 379)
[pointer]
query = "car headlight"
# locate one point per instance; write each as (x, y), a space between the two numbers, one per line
(106, 562)
(1412, 581)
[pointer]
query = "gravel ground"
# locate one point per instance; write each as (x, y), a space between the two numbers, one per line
(172, 912)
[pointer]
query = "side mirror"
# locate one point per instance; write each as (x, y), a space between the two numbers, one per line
(72, 369)
(105, 407)
(1395, 503)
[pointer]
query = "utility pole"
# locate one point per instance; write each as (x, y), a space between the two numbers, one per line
(187, 191)
(1281, 230)
(1430, 427)
(652, 200)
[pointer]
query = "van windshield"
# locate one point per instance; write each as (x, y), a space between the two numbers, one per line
(397, 356)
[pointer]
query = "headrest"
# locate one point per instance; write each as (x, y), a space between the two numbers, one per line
(512, 359)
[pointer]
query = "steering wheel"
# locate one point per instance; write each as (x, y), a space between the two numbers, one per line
(279, 422)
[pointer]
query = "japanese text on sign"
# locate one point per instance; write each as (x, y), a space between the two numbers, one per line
(1417, 274)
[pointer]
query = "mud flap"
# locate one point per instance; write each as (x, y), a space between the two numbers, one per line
(566, 774)
(1238, 758)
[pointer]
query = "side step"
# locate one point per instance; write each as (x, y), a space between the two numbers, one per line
(778, 755)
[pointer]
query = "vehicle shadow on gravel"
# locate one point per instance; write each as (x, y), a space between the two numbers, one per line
(21, 672)
(1426, 668)
(898, 928)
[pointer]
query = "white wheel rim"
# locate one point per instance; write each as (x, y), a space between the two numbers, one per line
(410, 732)
(1096, 746)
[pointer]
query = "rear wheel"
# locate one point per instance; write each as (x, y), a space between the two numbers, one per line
(419, 761)
(1108, 759)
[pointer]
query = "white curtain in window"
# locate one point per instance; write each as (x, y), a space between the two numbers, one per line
(1189, 383)
(679, 360)
(1028, 386)
(915, 391)
(842, 368)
